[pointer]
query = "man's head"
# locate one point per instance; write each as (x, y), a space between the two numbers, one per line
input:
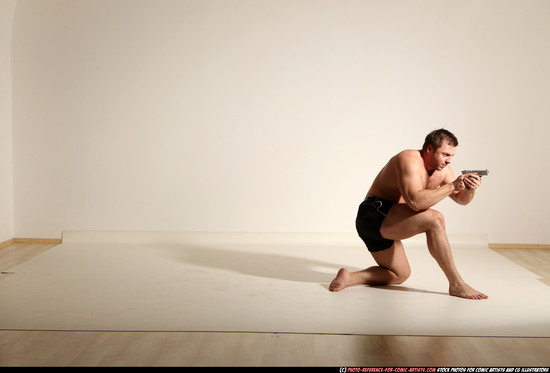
(439, 137)
(438, 149)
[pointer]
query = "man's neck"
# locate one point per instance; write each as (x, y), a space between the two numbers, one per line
(428, 169)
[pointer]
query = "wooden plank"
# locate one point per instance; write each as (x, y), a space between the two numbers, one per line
(6, 243)
(38, 240)
(517, 246)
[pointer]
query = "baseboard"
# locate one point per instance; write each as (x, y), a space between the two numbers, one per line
(497, 246)
(30, 240)
(6, 243)
(37, 240)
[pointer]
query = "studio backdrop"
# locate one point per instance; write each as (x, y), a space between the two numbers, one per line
(272, 116)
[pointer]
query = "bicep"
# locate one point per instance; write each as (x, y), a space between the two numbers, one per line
(409, 182)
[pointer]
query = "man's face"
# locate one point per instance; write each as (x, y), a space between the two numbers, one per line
(440, 157)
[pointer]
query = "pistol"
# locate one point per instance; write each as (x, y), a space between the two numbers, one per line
(479, 172)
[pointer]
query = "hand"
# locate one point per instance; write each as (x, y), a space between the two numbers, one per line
(459, 184)
(472, 181)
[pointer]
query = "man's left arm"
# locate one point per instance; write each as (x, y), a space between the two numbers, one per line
(471, 182)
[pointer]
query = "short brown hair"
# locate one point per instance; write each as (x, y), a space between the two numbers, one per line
(437, 137)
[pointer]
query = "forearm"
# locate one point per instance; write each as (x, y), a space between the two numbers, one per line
(465, 196)
(426, 198)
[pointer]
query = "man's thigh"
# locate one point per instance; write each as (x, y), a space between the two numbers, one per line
(403, 222)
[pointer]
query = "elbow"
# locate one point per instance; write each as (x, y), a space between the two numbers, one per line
(415, 206)
(416, 201)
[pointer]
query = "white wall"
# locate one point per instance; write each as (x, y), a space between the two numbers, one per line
(275, 116)
(7, 8)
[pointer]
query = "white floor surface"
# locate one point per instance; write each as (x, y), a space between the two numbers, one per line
(151, 281)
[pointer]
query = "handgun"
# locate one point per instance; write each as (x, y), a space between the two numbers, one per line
(479, 172)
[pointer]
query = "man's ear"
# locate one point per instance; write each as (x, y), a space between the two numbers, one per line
(430, 149)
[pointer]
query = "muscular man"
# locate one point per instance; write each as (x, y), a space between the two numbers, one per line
(398, 206)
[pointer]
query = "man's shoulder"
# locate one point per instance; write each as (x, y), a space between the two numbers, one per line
(407, 161)
(408, 155)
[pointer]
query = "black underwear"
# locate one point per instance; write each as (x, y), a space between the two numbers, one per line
(370, 216)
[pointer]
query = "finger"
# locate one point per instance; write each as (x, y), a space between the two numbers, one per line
(471, 184)
(471, 180)
(474, 178)
(468, 181)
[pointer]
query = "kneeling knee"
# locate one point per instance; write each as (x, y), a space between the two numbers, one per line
(402, 276)
(402, 279)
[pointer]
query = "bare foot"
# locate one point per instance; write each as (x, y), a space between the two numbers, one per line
(341, 280)
(465, 291)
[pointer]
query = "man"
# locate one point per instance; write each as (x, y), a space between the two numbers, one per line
(398, 206)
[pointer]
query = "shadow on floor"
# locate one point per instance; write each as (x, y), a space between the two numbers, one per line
(278, 266)
(261, 264)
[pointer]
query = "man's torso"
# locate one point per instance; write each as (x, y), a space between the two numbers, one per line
(386, 184)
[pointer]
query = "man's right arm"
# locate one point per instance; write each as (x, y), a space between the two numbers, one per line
(412, 189)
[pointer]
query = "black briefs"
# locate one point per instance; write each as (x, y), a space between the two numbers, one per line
(370, 216)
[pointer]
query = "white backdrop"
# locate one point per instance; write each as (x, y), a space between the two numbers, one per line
(272, 116)
(7, 8)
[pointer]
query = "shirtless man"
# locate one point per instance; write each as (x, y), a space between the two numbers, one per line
(398, 206)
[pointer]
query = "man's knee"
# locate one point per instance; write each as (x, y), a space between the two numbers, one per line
(436, 219)
(402, 275)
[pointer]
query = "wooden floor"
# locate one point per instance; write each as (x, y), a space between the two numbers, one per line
(106, 349)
